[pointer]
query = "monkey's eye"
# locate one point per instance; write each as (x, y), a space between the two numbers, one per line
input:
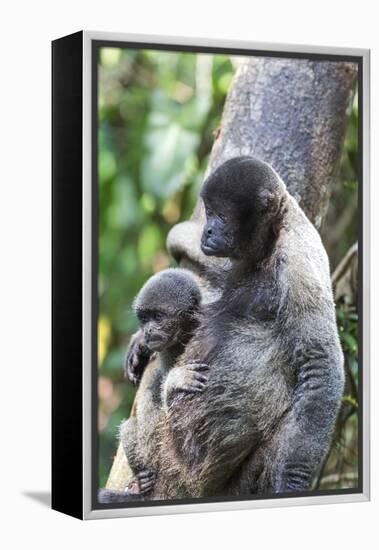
(214, 214)
(157, 316)
(142, 317)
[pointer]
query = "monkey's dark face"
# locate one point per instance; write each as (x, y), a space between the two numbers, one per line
(242, 199)
(218, 238)
(166, 307)
(231, 224)
(160, 329)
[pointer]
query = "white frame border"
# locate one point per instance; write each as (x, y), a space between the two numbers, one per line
(88, 512)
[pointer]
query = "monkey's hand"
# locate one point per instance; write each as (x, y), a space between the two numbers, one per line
(192, 377)
(195, 377)
(146, 480)
(137, 358)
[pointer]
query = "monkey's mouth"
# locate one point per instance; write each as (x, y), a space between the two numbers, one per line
(210, 248)
(156, 343)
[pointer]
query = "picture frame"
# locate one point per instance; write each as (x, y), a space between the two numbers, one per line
(75, 315)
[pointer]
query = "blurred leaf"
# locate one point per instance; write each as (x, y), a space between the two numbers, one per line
(225, 81)
(123, 212)
(109, 57)
(114, 362)
(148, 203)
(103, 334)
(349, 341)
(149, 241)
(107, 165)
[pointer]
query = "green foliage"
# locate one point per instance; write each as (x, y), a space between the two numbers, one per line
(157, 114)
(347, 319)
(340, 227)
(348, 328)
(339, 232)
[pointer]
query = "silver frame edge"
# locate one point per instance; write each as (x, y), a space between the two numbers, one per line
(87, 275)
(88, 512)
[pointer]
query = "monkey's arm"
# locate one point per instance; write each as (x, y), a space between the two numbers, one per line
(305, 432)
(137, 358)
(135, 453)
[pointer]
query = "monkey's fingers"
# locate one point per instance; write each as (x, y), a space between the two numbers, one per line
(195, 387)
(146, 480)
(134, 379)
(133, 376)
(137, 358)
(145, 473)
(134, 360)
(200, 377)
(128, 365)
(146, 487)
(198, 367)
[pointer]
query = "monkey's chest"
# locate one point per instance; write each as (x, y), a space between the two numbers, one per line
(249, 325)
(261, 303)
(249, 374)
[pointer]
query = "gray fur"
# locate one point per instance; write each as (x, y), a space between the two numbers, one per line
(172, 290)
(174, 294)
(265, 420)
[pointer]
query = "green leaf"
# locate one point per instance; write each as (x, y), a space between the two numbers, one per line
(349, 342)
(149, 242)
(109, 57)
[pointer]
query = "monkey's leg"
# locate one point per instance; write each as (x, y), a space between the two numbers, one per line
(128, 431)
(129, 440)
(144, 478)
(132, 446)
(246, 480)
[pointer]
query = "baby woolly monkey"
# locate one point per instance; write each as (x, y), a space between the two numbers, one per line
(167, 308)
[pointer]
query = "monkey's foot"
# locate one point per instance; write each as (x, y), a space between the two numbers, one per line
(195, 377)
(146, 480)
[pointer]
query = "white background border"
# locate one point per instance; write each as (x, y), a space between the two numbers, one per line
(88, 37)
(25, 134)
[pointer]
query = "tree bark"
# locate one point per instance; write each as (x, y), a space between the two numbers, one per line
(290, 113)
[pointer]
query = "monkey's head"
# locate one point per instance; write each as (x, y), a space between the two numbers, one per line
(243, 201)
(166, 307)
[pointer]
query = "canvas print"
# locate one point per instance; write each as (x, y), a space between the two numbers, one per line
(227, 278)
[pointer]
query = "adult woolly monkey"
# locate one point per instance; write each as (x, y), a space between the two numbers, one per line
(265, 420)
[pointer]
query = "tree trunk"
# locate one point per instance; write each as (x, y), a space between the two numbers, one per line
(290, 113)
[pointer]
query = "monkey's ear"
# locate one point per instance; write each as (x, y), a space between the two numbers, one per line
(269, 201)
